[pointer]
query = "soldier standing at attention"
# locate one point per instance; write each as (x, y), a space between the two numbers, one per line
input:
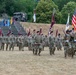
(67, 44)
(7, 42)
(38, 44)
(20, 43)
(0, 42)
(3, 43)
(11, 39)
(59, 42)
(34, 33)
(46, 40)
(51, 43)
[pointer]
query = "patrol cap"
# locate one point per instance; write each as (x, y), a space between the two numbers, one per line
(59, 34)
(51, 32)
(67, 31)
(37, 31)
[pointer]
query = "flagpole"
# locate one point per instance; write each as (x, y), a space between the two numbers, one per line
(67, 24)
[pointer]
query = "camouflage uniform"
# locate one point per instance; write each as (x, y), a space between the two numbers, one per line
(20, 43)
(10, 42)
(59, 42)
(46, 40)
(0, 42)
(7, 42)
(26, 41)
(51, 44)
(29, 42)
(75, 43)
(3, 43)
(67, 46)
(38, 44)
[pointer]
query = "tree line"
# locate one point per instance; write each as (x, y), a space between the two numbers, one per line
(44, 9)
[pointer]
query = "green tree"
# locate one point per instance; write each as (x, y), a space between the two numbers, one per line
(2, 6)
(44, 11)
(68, 8)
(61, 3)
(9, 7)
(25, 6)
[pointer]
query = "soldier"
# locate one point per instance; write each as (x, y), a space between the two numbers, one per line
(59, 42)
(38, 44)
(75, 43)
(3, 43)
(12, 41)
(34, 33)
(30, 42)
(7, 42)
(44, 42)
(67, 45)
(0, 42)
(22, 37)
(26, 41)
(20, 43)
(46, 39)
(51, 43)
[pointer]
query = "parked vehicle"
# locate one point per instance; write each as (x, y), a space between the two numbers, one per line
(20, 16)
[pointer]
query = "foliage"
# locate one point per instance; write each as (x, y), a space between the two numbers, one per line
(68, 8)
(44, 11)
(2, 6)
(11, 6)
(61, 3)
(25, 6)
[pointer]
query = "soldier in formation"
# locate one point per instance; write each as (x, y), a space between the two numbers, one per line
(68, 47)
(37, 41)
(51, 43)
(37, 44)
(58, 41)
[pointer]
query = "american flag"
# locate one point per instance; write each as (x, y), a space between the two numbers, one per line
(74, 20)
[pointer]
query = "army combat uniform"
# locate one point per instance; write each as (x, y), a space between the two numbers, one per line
(29, 42)
(0, 42)
(11, 42)
(51, 44)
(67, 46)
(3, 43)
(7, 43)
(38, 44)
(20, 43)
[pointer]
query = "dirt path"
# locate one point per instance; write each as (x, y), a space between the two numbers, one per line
(25, 63)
